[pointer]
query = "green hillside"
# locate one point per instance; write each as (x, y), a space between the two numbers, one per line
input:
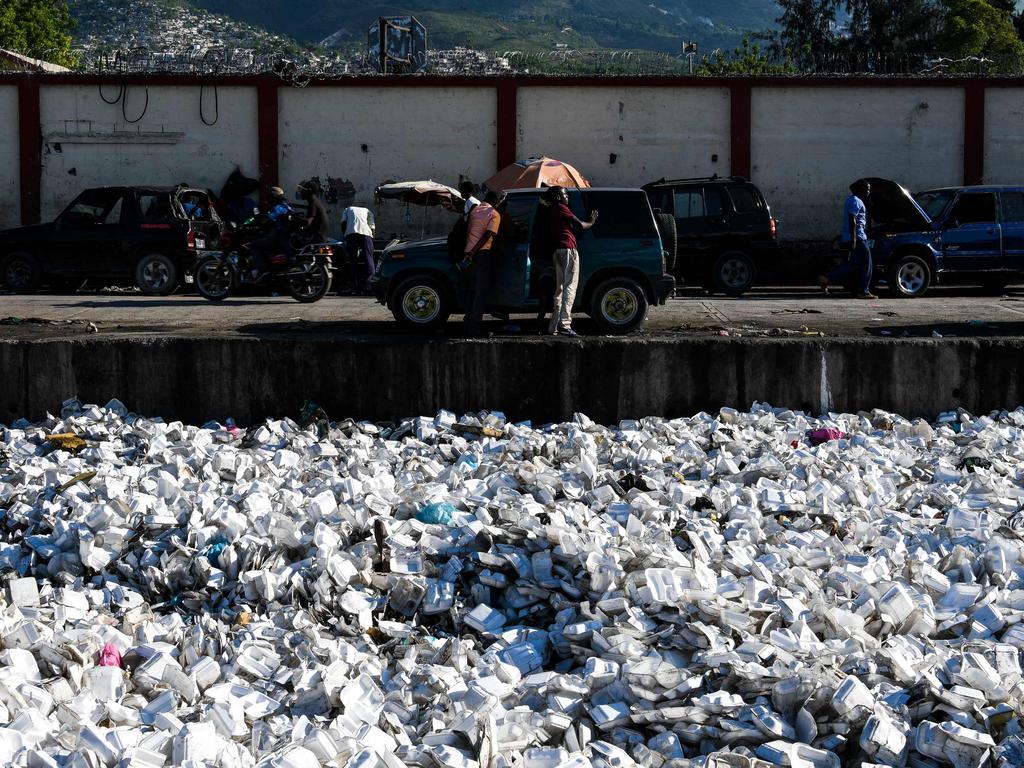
(518, 24)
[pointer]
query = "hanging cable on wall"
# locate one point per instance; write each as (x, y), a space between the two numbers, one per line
(216, 93)
(121, 87)
(124, 106)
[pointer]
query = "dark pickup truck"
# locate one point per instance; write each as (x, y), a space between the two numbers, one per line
(135, 235)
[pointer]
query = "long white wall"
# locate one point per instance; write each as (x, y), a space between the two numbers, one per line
(88, 142)
(628, 136)
(809, 144)
(10, 193)
(366, 136)
(1004, 140)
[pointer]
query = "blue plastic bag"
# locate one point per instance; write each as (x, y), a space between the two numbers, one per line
(217, 545)
(436, 514)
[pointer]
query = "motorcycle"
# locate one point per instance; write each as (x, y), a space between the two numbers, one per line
(306, 274)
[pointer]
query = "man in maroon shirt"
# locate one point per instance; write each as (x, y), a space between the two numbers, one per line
(566, 258)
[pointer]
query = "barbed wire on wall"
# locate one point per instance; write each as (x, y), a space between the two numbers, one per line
(300, 69)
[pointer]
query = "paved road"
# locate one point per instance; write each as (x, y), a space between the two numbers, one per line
(784, 312)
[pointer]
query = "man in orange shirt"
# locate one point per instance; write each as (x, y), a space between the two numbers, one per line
(481, 238)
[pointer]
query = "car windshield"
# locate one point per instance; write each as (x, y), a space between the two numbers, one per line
(934, 202)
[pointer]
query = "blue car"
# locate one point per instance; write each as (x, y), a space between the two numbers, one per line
(949, 235)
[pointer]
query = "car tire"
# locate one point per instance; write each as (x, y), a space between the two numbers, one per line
(909, 277)
(20, 272)
(421, 302)
(733, 273)
(619, 305)
(156, 275)
(669, 239)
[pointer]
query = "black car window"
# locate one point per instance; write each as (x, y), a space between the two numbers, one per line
(661, 198)
(689, 204)
(744, 200)
(622, 214)
(713, 201)
(156, 205)
(515, 219)
(94, 207)
(1013, 206)
(975, 208)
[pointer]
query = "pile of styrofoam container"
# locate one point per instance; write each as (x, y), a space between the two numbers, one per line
(713, 591)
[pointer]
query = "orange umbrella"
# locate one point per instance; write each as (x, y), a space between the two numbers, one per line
(536, 172)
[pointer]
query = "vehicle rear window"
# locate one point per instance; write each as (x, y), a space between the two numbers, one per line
(1013, 206)
(156, 206)
(975, 208)
(515, 219)
(744, 200)
(690, 204)
(622, 214)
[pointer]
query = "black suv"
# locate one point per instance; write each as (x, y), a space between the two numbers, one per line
(725, 232)
(142, 235)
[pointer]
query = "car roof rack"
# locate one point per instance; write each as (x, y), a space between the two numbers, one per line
(715, 177)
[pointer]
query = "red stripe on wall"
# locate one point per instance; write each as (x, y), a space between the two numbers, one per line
(267, 109)
(974, 133)
(30, 146)
(739, 130)
(508, 122)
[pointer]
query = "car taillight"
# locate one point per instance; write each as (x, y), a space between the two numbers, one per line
(191, 240)
(771, 226)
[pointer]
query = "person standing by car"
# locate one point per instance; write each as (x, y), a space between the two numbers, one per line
(358, 227)
(481, 237)
(563, 224)
(857, 266)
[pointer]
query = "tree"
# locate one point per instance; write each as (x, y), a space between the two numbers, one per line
(976, 28)
(746, 60)
(807, 26)
(37, 28)
(884, 26)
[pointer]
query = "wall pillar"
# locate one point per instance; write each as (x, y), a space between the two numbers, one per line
(267, 109)
(739, 129)
(974, 133)
(508, 122)
(30, 147)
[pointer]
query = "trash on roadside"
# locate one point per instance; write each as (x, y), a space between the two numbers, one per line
(705, 592)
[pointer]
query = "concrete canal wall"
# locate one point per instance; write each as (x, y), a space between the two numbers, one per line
(197, 379)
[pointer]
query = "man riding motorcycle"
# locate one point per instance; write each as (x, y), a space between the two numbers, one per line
(279, 241)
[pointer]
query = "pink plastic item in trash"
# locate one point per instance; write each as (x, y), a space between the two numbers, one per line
(820, 436)
(110, 656)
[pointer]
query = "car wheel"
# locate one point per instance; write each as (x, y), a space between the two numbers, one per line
(156, 275)
(734, 273)
(909, 277)
(421, 302)
(669, 239)
(20, 273)
(619, 305)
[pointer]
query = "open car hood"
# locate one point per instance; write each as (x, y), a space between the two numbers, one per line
(893, 208)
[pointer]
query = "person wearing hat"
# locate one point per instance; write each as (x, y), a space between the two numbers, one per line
(276, 241)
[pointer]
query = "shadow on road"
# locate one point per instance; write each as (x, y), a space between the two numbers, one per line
(166, 302)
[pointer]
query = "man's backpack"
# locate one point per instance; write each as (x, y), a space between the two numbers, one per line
(457, 240)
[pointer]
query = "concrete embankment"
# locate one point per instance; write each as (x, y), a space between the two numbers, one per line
(197, 379)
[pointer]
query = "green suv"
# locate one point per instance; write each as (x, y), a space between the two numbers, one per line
(622, 264)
